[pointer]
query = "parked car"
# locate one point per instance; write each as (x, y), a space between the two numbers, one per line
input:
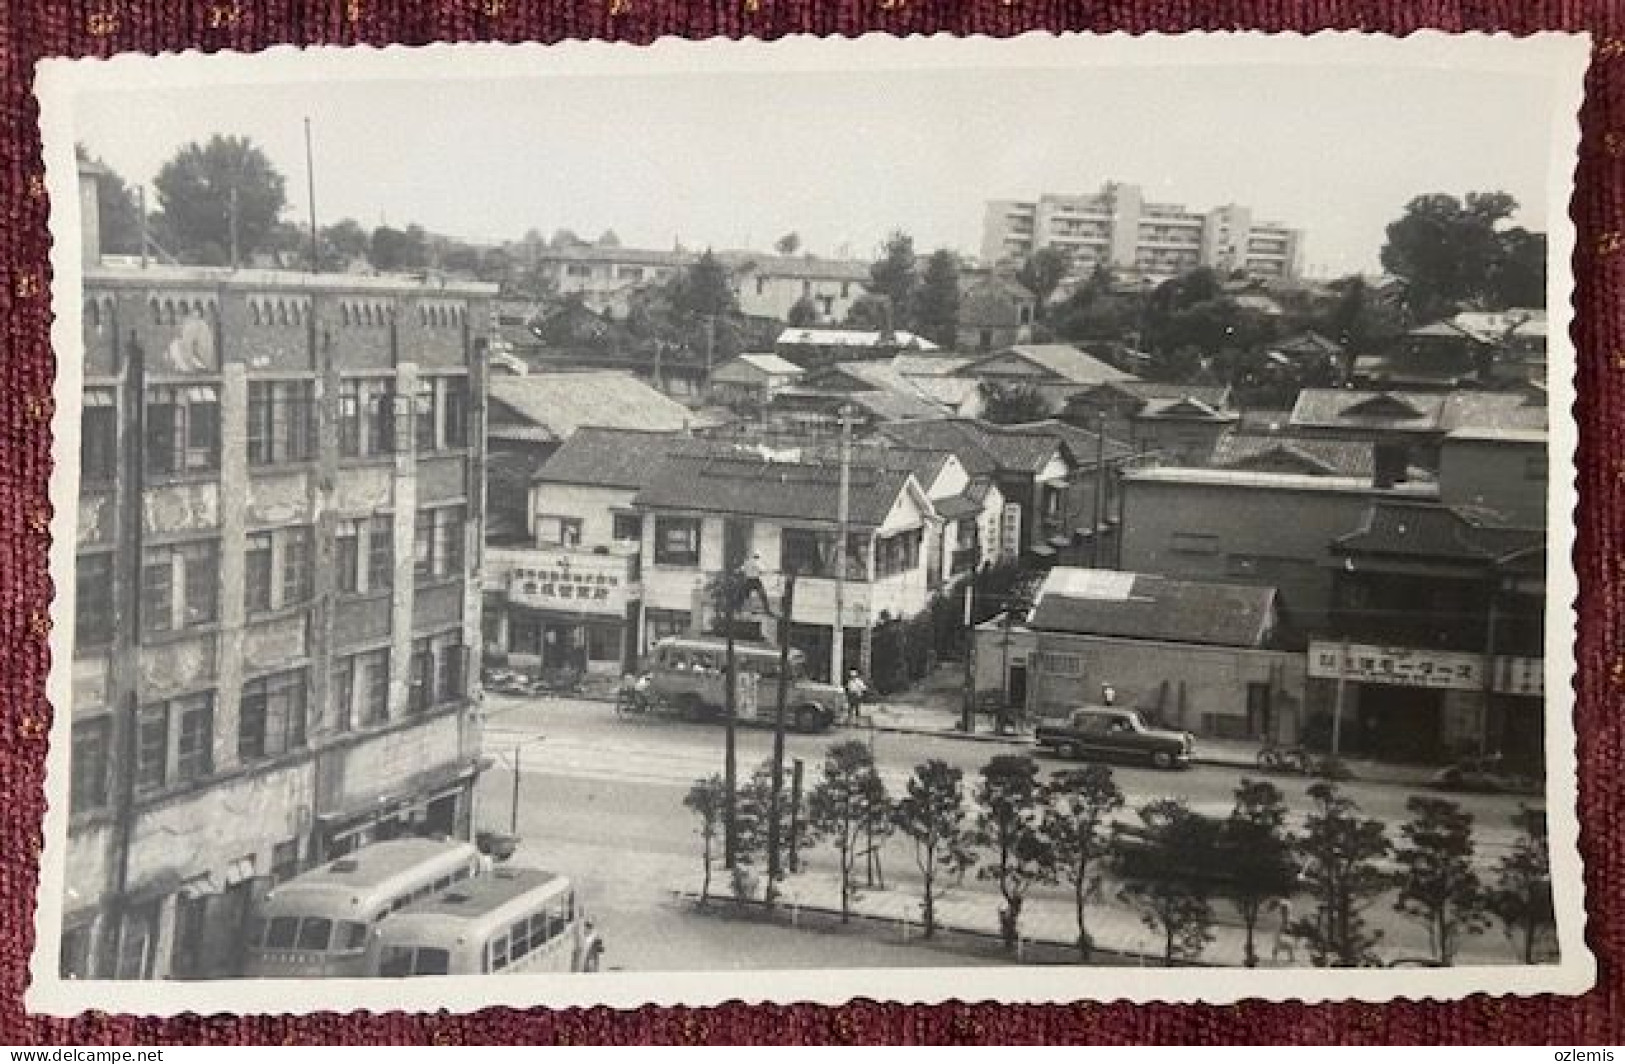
(1487, 774)
(1108, 733)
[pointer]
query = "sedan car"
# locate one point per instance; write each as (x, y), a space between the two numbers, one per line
(1107, 733)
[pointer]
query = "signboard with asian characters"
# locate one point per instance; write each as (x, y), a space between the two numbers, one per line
(1520, 676)
(1398, 666)
(573, 583)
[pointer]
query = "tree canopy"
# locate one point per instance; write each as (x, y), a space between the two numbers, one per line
(120, 216)
(195, 195)
(895, 278)
(936, 315)
(1456, 253)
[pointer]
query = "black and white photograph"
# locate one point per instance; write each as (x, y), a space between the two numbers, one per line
(1032, 519)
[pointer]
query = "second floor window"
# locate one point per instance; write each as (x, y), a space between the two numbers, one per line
(361, 689)
(440, 414)
(366, 417)
(898, 554)
(437, 671)
(93, 601)
(677, 541)
(271, 719)
(182, 429)
(811, 553)
(281, 422)
(180, 586)
(278, 571)
(380, 553)
(437, 549)
(174, 741)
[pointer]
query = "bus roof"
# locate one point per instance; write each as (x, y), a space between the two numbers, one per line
(492, 899)
(706, 642)
(377, 868)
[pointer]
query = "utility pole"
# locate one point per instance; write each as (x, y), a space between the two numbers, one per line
(837, 650)
(231, 220)
(310, 196)
(967, 720)
(141, 210)
(730, 759)
(1342, 691)
(795, 815)
(787, 604)
(513, 816)
(1100, 494)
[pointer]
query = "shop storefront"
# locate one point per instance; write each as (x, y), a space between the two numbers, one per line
(561, 609)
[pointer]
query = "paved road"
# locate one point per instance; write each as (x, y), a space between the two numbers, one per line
(601, 799)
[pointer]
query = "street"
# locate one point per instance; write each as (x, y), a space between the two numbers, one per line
(600, 799)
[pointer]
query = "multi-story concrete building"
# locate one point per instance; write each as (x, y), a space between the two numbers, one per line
(1117, 228)
(278, 541)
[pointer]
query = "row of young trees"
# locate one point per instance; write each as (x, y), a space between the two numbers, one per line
(1019, 831)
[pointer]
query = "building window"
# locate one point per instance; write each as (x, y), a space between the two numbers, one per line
(380, 554)
(298, 568)
(343, 681)
(93, 601)
(437, 548)
(87, 770)
(628, 527)
(258, 566)
(179, 586)
(284, 861)
(194, 743)
(603, 642)
(577, 270)
(437, 672)
(281, 422)
(809, 553)
(366, 417)
(182, 429)
(98, 437)
(558, 531)
(174, 742)
(347, 557)
(152, 748)
(278, 570)
(662, 623)
(677, 541)
(455, 397)
(272, 717)
(898, 554)
(373, 668)
(1060, 664)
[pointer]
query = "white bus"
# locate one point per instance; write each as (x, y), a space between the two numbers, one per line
(319, 924)
(511, 921)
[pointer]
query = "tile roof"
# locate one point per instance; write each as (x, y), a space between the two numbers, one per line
(564, 402)
(1069, 363)
(770, 363)
(1345, 408)
(619, 458)
(796, 266)
(956, 506)
(1317, 457)
(1495, 410)
(1418, 529)
(911, 364)
(898, 406)
(759, 487)
(984, 448)
(1084, 443)
(1145, 606)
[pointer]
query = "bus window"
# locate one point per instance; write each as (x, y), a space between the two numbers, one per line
(315, 933)
(282, 932)
(497, 956)
(400, 961)
(432, 962)
(351, 935)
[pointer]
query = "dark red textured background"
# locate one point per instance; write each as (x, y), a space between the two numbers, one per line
(32, 29)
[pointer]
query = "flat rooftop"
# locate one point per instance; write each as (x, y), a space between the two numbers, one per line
(1244, 478)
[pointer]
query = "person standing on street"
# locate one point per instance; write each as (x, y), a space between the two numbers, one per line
(856, 692)
(752, 572)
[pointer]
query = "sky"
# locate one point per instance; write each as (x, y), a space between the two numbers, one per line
(737, 159)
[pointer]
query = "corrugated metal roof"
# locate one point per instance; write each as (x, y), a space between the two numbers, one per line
(1317, 457)
(1145, 606)
(1413, 529)
(564, 402)
(758, 487)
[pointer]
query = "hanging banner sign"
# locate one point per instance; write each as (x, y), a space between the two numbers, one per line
(578, 584)
(1397, 666)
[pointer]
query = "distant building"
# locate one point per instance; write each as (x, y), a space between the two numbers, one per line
(995, 312)
(1055, 371)
(1408, 427)
(770, 285)
(1116, 228)
(815, 348)
(1180, 422)
(752, 378)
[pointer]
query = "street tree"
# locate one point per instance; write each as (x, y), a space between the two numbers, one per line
(895, 277)
(118, 213)
(1042, 273)
(208, 191)
(400, 250)
(1012, 404)
(1518, 275)
(753, 834)
(1437, 883)
(1448, 249)
(931, 814)
(845, 807)
(869, 312)
(1010, 825)
(1341, 850)
(343, 242)
(706, 800)
(936, 306)
(1522, 896)
(788, 244)
(1078, 805)
(1258, 849)
(1169, 875)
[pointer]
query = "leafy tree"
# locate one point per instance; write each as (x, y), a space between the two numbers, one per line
(195, 192)
(1518, 276)
(706, 799)
(119, 216)
(846, 806)
(936, 313)
(1010, 824)
(1077, 805)
(1043, 272)
(1259, 850)
(567, 238)
(398, 250)
(932, 815)
(1341, 850)
(803, 313)
(869, 312)
(788, 244)
(345, 240)
(1522, 896)
(1449, 250)
(1170, 881)
(608, 239)
(1437, 883)
(752, 819)
(704, 289)
(1012, 404)
(895, 278)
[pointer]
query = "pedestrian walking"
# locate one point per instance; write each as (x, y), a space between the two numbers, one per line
(1108, 695)
(856, 692)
